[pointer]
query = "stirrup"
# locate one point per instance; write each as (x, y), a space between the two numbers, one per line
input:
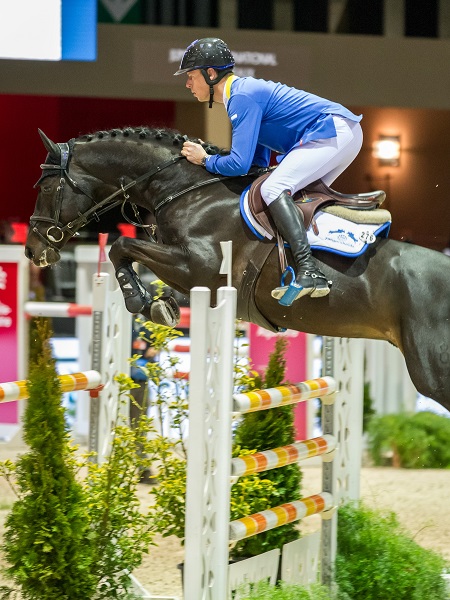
(287, 294)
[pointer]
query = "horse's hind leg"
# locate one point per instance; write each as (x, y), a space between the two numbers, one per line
(135, 294)
(427, 354)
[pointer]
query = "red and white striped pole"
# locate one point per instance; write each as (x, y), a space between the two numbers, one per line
(57, 309)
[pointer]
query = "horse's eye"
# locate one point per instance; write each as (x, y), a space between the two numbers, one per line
(46, 189)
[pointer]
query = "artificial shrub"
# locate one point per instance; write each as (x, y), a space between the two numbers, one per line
(377, 560)
(415, 441)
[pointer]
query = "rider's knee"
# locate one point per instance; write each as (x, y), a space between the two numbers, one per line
(270, 191)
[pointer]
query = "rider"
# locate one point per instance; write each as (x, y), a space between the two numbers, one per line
(316, 139)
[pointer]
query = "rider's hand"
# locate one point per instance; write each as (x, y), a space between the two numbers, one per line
(193, 152)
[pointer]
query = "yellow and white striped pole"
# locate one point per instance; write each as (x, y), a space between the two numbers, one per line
(247, 464)
(283, 395)
(280, 515)
(86, 380)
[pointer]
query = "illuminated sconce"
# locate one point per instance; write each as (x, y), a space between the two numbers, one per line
(387, 150)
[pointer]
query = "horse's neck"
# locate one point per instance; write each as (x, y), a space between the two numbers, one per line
(121, 164)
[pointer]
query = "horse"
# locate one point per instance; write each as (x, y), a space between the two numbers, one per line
(394, 291)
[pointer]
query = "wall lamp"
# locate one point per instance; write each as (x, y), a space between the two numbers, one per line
(387, 149)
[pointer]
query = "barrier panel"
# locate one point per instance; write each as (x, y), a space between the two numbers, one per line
(14, 291)
(210, 468)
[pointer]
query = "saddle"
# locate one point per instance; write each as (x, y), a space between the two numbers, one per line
(316, 196)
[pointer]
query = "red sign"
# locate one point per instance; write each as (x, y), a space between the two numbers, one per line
(262, 344)
(9, 334)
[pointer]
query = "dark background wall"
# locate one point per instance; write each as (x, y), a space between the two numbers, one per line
(401, 85)
(61, 118)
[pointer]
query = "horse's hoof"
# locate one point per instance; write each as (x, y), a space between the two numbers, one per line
(165, 313)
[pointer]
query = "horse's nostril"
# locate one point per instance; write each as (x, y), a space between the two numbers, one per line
(28, 253)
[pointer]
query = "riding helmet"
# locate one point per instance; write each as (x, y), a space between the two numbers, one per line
(206, 53)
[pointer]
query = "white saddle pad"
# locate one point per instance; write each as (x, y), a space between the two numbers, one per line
(335, 234)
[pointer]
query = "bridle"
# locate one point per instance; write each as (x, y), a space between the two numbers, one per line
(56, 232)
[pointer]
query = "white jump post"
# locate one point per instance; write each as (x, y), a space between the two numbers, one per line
(86, 259)
(209, 447)
(343, 358)
(109, 347)
(110, 350)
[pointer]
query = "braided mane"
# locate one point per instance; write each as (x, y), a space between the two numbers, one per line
(165, 135)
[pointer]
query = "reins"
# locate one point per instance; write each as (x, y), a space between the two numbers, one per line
(185, 191)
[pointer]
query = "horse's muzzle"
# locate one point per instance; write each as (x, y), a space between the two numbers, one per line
(47, 256)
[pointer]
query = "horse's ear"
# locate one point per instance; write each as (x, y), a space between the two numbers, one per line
(50, 146)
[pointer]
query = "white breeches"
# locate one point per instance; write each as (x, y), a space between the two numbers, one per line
(322, 159)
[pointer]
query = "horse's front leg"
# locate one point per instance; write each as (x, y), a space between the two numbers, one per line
(159, 259)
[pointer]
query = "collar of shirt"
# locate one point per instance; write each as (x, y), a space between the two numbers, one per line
(227, 88)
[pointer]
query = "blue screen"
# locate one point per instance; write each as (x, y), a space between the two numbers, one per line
(79, 29)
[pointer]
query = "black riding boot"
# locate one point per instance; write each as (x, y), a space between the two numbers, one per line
(309, 280)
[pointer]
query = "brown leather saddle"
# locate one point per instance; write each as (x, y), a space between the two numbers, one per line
(309, 200)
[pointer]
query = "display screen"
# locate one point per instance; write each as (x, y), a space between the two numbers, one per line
(48, 29)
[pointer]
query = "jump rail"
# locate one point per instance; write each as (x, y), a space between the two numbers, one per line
(85, 380)
(57, 309)
(284, 395)
(281, 515)
(72, 309)
(248, 464)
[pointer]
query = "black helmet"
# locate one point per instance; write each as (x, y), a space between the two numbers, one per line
(206, 53)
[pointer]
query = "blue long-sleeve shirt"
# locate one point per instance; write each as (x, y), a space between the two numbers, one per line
(268, 116)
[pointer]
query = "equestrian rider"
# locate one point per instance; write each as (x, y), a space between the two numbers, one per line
(314, 137)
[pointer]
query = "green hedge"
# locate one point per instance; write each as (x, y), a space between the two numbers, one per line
(377, 560)
(415, 441)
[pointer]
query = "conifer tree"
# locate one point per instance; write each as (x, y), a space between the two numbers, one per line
(46, 532)
(265, 430)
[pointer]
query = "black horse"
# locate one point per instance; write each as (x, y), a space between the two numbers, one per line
(395, 291)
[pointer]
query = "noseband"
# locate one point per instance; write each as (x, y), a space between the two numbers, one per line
(56, 232)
